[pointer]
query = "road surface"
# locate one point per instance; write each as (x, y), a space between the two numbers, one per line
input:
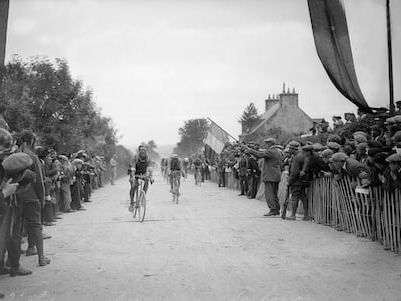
(213, 245)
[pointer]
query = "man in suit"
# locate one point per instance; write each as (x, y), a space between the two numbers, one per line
(271, 173)
(299, 179)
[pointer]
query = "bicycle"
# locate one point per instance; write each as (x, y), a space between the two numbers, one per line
(176, 185)
(139, 209)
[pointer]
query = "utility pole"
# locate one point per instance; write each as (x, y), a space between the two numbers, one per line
(390, 58)
(4, 5)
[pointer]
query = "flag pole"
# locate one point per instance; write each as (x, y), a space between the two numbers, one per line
(222, 129)
(390, 58)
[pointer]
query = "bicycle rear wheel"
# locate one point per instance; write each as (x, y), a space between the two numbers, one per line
(176, 191)
(141, 206)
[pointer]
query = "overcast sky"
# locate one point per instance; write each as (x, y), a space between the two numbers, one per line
(154, 63)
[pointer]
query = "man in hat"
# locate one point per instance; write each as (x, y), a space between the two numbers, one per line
(392, 175)
(299, 179)
(33, 199)
(254, 173)
(356, 170)
(243, 173)
(10, 214)
(271, 174)
(398, 105)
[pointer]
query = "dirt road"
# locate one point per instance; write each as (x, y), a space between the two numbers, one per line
(213, 245)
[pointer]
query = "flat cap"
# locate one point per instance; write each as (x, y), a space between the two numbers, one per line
(339, 157)
(15, 163)
(318, 147)
(360, 133)
(360, 138)
(270, 140)
(362, 145)
(326, 153)
(333, 145)
(394, 158)
(294, 144)
(307, 148)
(278, 146)
(334, 138)
(63, 158)
(77, 161)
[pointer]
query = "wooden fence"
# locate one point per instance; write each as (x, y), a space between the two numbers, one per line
(373, 213)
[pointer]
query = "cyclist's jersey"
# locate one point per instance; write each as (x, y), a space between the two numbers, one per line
(140, 164)
(197, 163)
(175, 164)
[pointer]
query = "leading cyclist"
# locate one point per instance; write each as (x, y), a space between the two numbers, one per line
(139, 166)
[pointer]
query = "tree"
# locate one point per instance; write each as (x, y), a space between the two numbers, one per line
(40, 94)
(192, 135)
(249, 118)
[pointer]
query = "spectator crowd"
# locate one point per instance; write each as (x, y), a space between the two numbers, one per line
(366, 149)
(38, 185)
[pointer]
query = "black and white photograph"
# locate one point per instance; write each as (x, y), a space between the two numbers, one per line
(185, 150)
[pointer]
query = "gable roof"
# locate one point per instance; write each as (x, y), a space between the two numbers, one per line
(266, 116)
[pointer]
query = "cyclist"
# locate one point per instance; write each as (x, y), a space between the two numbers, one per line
(198, 168)
(175, 169)
(139, 166)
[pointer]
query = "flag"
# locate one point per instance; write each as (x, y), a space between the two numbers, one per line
(330, 32)
(216, 138)
(4, 4)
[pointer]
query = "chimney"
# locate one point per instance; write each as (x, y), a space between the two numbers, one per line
(270, 101)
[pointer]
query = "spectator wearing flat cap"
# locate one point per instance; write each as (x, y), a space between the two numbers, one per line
(351, 167)
(299, 180)
(10, 214)
(397, 142)
(392, 175)
(334, 146)
(254, 173)
(33, 199)
(66, 174)
(271, 174)
(76, 185)
(360, 152)
(243, 173)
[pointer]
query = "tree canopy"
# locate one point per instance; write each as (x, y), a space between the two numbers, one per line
(191, 135)
(249, 118)
(41, 94)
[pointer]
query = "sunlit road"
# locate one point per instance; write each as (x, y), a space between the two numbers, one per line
(213, 245)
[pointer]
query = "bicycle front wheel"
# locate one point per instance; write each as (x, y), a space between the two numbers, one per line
(142, 206)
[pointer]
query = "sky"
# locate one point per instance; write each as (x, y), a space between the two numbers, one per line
(152, 64)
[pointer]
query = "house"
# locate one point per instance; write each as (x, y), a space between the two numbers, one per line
(281, 111)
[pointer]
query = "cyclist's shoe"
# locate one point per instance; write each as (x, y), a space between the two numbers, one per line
(131, 208)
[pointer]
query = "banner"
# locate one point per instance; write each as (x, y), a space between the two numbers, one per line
(330, 32)
(216, 138)
(4, 5)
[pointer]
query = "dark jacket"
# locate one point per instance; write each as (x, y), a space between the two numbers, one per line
(298, 165)
(36, 191)
(271, 166)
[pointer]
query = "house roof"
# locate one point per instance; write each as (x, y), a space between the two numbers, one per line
(266, 116)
